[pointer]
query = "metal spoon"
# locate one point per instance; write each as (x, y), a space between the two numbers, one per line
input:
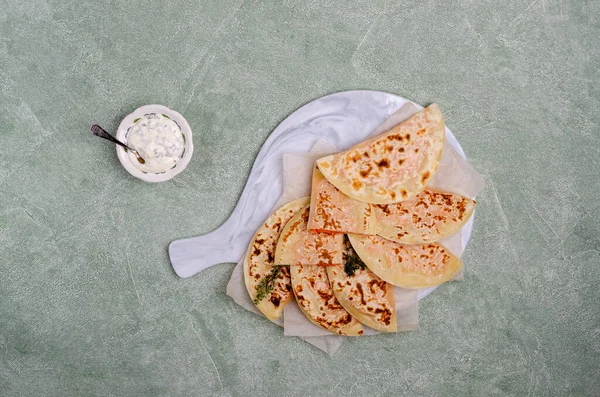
(99, 131)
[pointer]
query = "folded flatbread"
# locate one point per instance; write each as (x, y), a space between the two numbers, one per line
(333, 211)
(406, 265)
(318, 302)
(259, 271)
(365, 296)
(428, 217)
(393, 166)
(299, 246)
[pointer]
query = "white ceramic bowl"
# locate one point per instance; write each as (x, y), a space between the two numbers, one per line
(126, 125)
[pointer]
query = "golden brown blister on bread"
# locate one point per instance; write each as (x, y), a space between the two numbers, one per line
(429, 217)
(393, 166)
(406, 265)
(318, 302)
(299, 246)
(260, 257)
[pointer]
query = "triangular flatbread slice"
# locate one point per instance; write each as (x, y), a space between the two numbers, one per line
(406, 265)
(269, 286)
(429, 217)
(299, 246)
(318, 302)
(393, 166)
(367, 298)
(333, 211)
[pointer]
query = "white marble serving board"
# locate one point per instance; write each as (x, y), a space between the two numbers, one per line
(341, 120)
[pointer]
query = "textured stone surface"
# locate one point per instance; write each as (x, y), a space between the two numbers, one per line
(89, 304)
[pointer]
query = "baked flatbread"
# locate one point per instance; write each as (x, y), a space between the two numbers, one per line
(318, 302)
(365, 296)
(299, 246)
(406, 265)
(393, 166)
(333, 211)
(428, 217)
(259, 259)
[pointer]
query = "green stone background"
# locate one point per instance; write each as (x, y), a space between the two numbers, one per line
(89, 305)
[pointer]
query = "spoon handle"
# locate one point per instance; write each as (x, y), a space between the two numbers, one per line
(99, 131)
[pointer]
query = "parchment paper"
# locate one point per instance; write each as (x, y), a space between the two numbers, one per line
(454, 175)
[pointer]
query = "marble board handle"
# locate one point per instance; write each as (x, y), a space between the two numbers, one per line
(229, 242)
(192, 255)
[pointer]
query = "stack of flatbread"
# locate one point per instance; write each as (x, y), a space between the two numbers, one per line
(369, 224)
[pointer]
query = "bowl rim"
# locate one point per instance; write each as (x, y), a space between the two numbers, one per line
(128, 122)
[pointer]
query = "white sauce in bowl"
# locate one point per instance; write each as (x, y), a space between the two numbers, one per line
(158, 140)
